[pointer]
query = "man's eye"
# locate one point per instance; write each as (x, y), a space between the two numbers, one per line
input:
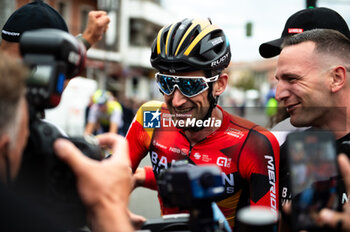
(291, 79)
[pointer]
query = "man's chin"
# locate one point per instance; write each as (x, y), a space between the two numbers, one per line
(297, 122)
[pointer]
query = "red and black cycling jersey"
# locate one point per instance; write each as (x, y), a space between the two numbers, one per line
(247, 154)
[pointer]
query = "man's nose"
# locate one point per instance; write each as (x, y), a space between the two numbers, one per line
(178, 98)
(282, 91)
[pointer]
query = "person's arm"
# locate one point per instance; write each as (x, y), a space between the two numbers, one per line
(90, 127)
(259, 164)
(113, 127)
(145, 177)
(139, 144)
(97, 25)
(116, 118)
(339, 220)
(91, 120)
(103, 186)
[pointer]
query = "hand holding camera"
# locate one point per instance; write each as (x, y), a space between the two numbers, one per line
(339, 220)
(96, 191)
(88, 185)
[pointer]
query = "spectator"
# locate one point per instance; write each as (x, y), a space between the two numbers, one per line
(105, 115)
(303, 20)
(128, 115)
(105, 200)
(313, 84)
(38, 15)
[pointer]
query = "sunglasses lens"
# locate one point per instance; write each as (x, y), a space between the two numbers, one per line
(188, 86)
(191, 87)
(166, 84)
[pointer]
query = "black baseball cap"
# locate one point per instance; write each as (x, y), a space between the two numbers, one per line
(35, 15)
(304, 20)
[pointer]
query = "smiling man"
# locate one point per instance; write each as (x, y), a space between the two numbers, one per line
(190, 57)
(313, 84)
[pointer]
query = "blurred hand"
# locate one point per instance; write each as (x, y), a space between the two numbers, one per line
(136, 220)
(139, 177)
(339, 219)
(103, 186)
(97, 25)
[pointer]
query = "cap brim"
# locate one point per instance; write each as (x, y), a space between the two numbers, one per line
(271, 48)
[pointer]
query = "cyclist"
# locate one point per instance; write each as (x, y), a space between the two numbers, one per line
(105, 115)
(190, 57)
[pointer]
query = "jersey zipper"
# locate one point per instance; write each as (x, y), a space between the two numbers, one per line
(190, 150)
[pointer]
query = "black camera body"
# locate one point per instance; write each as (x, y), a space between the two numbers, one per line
(192, 188)
(52, 56)
(186, 186)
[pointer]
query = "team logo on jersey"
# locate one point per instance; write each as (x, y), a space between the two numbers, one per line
(235, 133)
(197, 156)
(151, 119)
(223, 162)
(206, 158)
(175, 150)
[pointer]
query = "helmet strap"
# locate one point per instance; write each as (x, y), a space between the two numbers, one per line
(213, 101)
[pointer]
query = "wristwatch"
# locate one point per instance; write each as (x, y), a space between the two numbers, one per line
(85, 42)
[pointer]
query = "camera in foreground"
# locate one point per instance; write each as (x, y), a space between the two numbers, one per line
(192, 188)
(53, 56)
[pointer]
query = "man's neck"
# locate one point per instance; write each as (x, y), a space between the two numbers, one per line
(338, 122)
(196, 136)
(10, 48)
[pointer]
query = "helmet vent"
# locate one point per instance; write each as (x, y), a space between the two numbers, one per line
(171, 41)
(191, 44)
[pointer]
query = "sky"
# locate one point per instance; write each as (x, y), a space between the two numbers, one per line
(268, 18)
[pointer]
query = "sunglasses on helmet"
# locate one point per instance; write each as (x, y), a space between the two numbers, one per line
(188, 86)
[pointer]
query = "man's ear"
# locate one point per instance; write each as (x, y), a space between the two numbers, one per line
(339, 76)
(220, 84)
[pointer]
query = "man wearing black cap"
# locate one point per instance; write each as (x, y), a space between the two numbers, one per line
(304, 20)
(39, 15)
(313, 84)
(299, 22)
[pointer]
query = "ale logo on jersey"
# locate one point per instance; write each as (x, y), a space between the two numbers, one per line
(151, 119)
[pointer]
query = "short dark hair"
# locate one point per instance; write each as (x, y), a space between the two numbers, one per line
(327, 41)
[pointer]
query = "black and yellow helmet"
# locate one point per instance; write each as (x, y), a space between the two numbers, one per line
(190, 45)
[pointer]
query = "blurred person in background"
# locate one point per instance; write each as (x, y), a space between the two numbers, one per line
(128, 114)
(271, 106)
(105, 115)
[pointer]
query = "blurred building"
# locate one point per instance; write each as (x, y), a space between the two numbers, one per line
(121, 61)
(256, 76)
